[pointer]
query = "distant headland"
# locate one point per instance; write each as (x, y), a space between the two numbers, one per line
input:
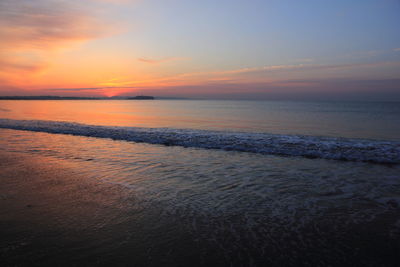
(141, 97)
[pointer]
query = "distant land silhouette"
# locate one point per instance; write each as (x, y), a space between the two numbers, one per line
(139, 97)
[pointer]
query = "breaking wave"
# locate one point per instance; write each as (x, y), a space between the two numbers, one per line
(272, 144)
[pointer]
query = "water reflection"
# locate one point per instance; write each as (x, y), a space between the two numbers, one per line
(357, 120)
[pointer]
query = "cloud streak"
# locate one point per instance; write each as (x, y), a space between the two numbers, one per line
(15, 64)
(229, 82)
(305, 67)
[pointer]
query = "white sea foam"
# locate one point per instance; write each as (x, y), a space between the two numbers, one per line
(273, 144)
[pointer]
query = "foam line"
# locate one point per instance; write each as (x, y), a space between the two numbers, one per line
(271, 144)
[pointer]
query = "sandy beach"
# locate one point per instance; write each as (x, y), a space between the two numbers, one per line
(52, 214)
(48, 211)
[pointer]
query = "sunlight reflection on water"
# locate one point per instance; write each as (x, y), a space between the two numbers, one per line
(351, 119)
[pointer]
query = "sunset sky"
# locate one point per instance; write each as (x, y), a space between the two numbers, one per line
(206, 49)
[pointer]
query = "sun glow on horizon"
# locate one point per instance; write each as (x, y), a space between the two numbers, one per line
(107, 48)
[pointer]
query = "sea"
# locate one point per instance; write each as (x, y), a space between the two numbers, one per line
(213, 182)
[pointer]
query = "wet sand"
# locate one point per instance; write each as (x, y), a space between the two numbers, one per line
(49, 212)
(53, 215)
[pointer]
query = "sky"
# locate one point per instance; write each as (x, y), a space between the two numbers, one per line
(233, 49)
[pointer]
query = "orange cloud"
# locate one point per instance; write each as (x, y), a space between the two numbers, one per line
(30, 31)
(45, 24)
(17, 64)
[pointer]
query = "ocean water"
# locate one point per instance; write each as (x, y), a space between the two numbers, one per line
(228, 183)
(365, 120)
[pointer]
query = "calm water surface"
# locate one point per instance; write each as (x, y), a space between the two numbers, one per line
(339, 119)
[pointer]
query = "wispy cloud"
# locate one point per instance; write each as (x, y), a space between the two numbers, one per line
(30, 30)
(303, 67)
(46, 24)
(396, 49)
(19, 65)
(235, 79)
(162, 60)
(264, 80)
(248, 75)
(264, 69)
